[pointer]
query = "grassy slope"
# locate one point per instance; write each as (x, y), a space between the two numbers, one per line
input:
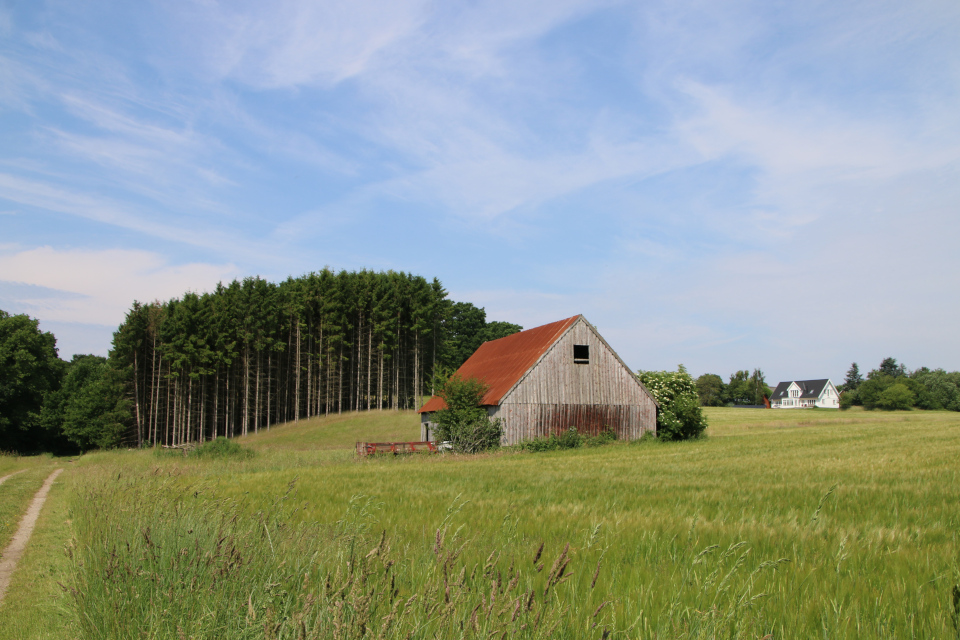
(338, 431)
(863, 505)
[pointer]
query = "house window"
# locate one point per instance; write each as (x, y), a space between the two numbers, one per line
(581, 354)
(794, 393)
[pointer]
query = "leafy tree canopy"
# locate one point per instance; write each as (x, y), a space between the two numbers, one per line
(710, 389)
(896, 396)
(747, 388)
(89, 409)
(496, 330)
(467, 328)
(29, 369)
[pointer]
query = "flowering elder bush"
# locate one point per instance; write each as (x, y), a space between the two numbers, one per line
(679, 416)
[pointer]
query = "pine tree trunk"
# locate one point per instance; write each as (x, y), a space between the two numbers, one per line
(296, 395)
(256, 404)
(269, 386)
(216, 401)
(246, 390)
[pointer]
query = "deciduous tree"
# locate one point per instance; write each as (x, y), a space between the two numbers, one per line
(29, 369)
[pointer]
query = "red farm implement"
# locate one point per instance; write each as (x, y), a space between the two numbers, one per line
(370, 448)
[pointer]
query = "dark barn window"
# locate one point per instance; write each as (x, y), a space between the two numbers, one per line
(581, 354)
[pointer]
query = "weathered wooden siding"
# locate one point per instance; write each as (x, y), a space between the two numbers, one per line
(558, 394)
(526, 421)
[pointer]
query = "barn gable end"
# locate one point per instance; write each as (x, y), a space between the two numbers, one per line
(561, 391)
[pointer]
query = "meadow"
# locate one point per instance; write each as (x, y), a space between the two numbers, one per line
(779, 524)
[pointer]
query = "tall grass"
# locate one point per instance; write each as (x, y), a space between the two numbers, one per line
(168, 561)
(814, 524)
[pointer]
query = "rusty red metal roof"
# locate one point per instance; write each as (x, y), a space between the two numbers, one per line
(501, 363)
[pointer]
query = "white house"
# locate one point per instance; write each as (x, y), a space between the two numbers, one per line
(805, 394)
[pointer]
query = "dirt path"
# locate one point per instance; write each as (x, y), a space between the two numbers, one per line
(11, 555)
(10, 475)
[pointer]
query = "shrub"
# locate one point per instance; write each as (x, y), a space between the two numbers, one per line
(680, 416)
(480, 434)
(848, 399)
(221, 448)
(604, 437)
(464, 423)
(896, 396)
(569, 439)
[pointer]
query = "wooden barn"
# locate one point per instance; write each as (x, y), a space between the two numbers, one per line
(547, 379)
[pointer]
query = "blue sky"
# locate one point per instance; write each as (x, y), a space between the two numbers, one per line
(727, 185)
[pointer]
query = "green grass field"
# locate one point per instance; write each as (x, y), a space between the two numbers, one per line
(780, 524)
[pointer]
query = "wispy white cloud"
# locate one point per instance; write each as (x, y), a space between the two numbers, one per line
(49, 197)
(295, 42)
(98, 286)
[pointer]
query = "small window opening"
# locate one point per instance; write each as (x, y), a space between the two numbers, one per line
(581, 354)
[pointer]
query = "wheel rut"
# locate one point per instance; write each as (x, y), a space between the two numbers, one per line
(10, 475)
(13, 552)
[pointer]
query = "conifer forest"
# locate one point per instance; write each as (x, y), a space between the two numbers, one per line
(253, 353)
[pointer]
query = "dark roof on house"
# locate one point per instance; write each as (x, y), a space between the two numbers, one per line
(501, 363)
(808, 388)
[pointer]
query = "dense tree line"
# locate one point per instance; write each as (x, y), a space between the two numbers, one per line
(246, 356)
(892, 386)
(743, 388)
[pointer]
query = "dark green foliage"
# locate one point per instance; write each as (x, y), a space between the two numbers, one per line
(464, 422)
(710, 390)
(738, 390)
(569, 439)
(873, 393)
(496, 330)
(853, 380)
(679, 416)
(923, 388)
(466, 329)
(746, 388)
(943, 389)
(889, 367)
(871, 388)
(221, 448)
(896, 396)
(89, 409)
(849, 399)
(606, 436)
(29, 369)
